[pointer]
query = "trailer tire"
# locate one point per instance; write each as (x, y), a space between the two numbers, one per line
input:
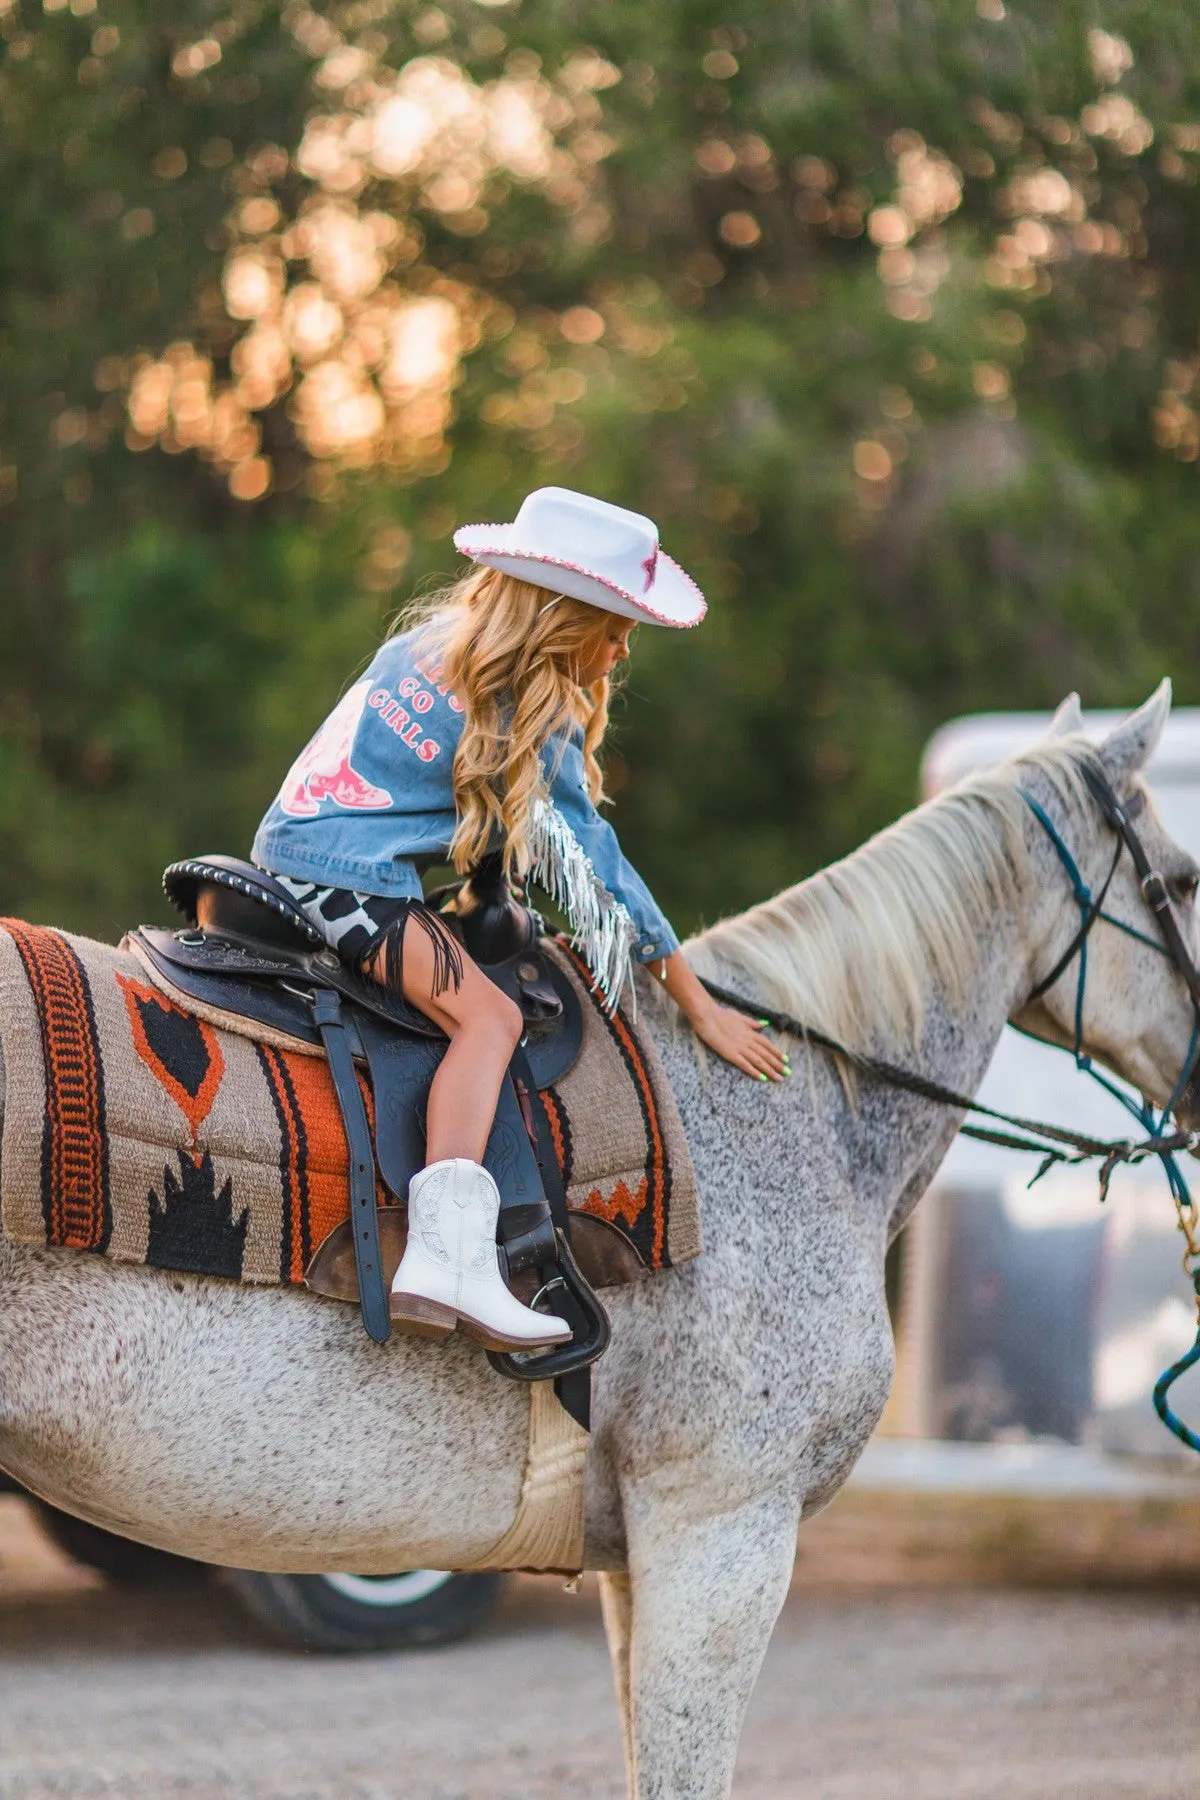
(345, 1614)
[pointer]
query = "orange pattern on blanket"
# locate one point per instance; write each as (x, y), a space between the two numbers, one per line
(560, 1132)
(76, 1202)
(186, 1061)
(314, 1162)
(620, 1204)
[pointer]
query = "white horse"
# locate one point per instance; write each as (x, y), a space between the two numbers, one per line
(262, 1429)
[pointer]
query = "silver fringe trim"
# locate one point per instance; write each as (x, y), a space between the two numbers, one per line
(603, 931)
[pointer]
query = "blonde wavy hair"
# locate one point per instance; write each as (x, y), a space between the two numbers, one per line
(509, 650)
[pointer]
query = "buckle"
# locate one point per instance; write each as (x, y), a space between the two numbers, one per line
(1154, 888)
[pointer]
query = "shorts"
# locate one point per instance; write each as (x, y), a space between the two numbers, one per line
(357, 925)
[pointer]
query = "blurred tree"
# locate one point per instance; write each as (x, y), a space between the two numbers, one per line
(889, 316)
(116, 184)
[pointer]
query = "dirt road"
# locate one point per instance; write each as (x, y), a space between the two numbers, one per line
(900, 1694)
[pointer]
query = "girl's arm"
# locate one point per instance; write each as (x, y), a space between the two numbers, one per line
(738, 1039)
(730, 1033)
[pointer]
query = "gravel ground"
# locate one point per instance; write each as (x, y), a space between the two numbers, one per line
(893, 1693)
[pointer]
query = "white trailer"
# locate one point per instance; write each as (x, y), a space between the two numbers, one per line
(1035, 1314)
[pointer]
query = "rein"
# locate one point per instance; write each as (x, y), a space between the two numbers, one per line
(1056, 1144)
(1048, 1141)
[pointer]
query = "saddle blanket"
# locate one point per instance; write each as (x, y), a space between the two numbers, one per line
(137, 1129)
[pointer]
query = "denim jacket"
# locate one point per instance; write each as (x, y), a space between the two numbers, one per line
(370, 796)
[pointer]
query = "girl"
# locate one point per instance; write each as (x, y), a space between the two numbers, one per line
(477, 729)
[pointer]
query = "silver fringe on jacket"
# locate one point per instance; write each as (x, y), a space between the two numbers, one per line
(602, 929)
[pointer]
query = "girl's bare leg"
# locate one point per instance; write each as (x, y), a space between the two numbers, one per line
(449, 1275)
(484, 1027)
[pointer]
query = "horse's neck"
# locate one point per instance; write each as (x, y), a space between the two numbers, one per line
(893, 1141)
(905, 1137)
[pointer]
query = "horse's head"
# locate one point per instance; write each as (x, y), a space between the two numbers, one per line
(1136, 1013)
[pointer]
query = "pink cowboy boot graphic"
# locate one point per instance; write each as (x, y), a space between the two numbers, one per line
(323, 770)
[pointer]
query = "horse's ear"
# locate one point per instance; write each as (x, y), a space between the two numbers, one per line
(1130, 745)
(1068, 719)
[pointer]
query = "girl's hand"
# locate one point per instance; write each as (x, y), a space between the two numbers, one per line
(730, 1033)
(740, 1041)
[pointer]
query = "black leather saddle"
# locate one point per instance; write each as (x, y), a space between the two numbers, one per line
(257, 955)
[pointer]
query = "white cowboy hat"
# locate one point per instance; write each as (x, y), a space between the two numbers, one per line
(577, 545)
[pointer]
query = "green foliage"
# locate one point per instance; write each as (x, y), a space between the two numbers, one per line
(893, 327)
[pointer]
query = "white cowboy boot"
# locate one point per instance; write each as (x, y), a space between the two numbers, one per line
(449, 1274)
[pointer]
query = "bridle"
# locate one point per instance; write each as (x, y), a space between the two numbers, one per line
(1154, 891)
(1054, 1143)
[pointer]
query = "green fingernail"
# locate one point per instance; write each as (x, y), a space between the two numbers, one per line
(764, 1021)
(762, 1078)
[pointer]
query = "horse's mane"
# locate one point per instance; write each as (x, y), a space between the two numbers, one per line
(856, 949)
